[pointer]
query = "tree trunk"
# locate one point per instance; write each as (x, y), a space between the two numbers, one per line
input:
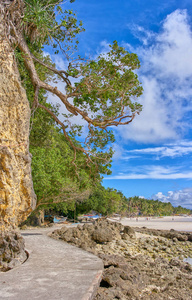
(17, 197)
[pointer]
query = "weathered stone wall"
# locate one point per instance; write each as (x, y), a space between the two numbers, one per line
(17, 197)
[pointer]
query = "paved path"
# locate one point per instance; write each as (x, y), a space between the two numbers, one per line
(54, 271)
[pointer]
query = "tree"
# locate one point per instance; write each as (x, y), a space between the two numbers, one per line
(104, 201)
(103, 94)
(153, 207)
(53, 177)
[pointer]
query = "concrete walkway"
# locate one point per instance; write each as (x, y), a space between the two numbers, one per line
(54, 270)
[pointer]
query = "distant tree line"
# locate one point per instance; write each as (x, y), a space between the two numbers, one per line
(146, 207)
(108, 201)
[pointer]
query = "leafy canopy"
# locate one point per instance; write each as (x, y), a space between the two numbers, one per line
(45, 23)
(103, 92)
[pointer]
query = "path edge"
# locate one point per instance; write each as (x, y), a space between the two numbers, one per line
(94, 286)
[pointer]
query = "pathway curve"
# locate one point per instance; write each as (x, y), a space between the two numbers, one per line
(55, 270)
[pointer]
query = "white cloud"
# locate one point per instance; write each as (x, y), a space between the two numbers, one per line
(143, 35)
(128, 157)
(175, 44)
(166, 75)
(60, 62)
(118, 151)
(181, 197)
(154, 172)
(169, 150)
(104, 48)
(151, 125)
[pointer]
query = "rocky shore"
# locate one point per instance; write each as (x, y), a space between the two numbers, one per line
(12, 250)
(139, 263)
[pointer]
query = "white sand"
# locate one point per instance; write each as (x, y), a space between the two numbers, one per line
(164, 223)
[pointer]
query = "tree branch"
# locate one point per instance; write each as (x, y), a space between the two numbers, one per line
(102, 123)
(58, 72)
(28, 60)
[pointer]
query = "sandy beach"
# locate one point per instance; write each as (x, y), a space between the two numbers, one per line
(163, 223)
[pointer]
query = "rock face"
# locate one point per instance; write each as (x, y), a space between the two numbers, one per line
(36, 218)
(17, 197)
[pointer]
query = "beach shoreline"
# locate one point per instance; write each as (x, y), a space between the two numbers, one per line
(178, 223)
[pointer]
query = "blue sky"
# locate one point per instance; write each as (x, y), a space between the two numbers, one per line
(153, 153)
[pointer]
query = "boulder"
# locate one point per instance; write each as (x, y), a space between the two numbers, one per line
(12, 250)
(86, 236)
(128, 232)
(102, 235)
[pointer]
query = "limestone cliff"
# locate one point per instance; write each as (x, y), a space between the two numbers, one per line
(17, 197)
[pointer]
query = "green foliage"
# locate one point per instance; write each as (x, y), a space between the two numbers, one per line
(109, 201)
(105, 91)
(54, 177)
(145, 207)
(45, 22)
(49, 170)
(104, 201)
(108, 80)
(61, 208)
(181, 210)
(106, 88)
